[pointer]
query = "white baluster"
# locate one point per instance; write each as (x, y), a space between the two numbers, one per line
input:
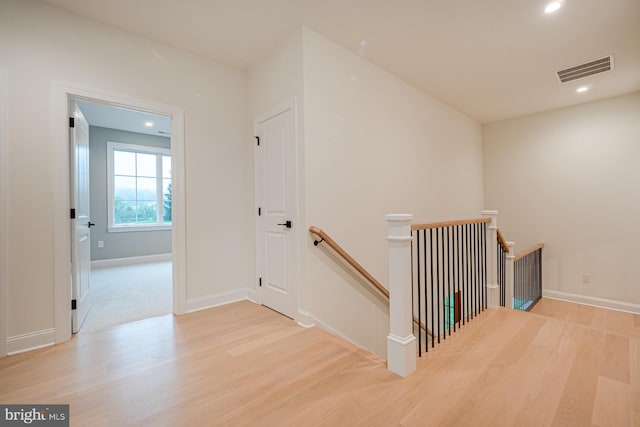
(493, 290)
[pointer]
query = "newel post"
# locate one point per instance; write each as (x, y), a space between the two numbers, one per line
(510, 278)
(401, 346)
(493, 290)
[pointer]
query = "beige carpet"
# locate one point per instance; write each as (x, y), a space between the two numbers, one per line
(128, 293)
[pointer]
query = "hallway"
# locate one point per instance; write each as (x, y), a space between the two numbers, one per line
(244, 364)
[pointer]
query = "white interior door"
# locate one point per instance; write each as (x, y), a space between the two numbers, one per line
(80, 225)
(276, 184)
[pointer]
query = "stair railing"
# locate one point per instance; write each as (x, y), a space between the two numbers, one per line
(527, 278)
(519, 276)
(457, 269)
(449, 275)
(503, 251)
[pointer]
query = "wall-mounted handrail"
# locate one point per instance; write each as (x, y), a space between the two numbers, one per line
(526, 252)
(348, 258)
(503, 242)
(324, 237)
(415, 227)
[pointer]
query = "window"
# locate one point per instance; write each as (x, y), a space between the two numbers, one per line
(139, 181)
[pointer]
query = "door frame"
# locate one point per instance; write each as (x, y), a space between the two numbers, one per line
(4, 241)
(290, 104)
(62, 92)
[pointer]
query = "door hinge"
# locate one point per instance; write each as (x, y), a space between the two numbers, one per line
(73, 214)
(259, 211)
(73, 304)
(258, 140)
(260, 281)
(72, 122)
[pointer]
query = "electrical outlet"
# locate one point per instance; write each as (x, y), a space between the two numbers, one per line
(101, 243)
(586, 278)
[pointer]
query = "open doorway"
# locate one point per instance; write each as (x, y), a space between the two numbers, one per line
(123, 218)
(62, 94)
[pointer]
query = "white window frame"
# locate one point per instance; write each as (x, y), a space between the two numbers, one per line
(119, 146)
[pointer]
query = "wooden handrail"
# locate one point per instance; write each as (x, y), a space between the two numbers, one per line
(415, 227)
(349, 259)
(526, 252)
(360, 269)
(503, 242)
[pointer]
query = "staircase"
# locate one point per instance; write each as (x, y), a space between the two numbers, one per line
(444, 275)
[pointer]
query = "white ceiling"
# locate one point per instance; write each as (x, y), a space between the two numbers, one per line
(110, 117)
(491, 59)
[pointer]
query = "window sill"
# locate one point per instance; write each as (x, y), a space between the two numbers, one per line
(136, 228)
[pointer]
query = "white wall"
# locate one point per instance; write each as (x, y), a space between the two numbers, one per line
(40, 44)
(569, 178)
(276, 79)
(374, 145)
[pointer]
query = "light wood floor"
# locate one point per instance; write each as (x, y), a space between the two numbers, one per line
(243, 364)
(599, 318)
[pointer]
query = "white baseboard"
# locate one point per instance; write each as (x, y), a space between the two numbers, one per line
(209, 301)
(31, 341)
(306, 320)
(47, 337)
(118, 262)
(252, 295)
(594, 301)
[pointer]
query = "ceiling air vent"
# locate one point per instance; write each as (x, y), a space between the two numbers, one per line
(588, 69)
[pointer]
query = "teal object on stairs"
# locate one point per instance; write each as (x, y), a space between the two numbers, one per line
(522, 304)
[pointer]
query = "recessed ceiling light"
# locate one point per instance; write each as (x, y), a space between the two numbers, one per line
(582, 89)
(552, 7)
(148, 124)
